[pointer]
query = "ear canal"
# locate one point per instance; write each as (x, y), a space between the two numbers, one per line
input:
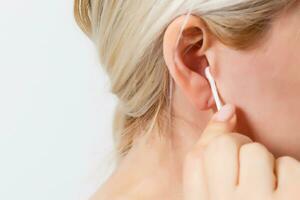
(213, 88)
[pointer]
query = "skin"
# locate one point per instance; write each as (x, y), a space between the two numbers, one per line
(228, 165)
(263, 83)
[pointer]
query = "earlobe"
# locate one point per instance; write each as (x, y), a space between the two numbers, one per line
(187, 61)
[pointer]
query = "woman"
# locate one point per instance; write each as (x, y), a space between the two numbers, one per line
(155, 53)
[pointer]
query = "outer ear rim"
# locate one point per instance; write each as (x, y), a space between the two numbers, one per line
(179, 71)
(197, 22)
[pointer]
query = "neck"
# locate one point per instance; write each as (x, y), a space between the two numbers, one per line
(159, 158)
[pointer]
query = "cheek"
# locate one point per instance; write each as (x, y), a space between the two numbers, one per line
(243, 77)
(264, 84)
(255, 79)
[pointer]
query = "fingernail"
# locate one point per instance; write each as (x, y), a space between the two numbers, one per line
(225, 113)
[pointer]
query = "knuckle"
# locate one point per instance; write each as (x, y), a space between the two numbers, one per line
(287, 161)
(242, 137)
(287, 168)
(253, 148)
(222, 140)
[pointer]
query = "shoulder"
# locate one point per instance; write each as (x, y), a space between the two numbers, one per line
(124, 188)
(103, 196)
(109, 194)
(111, 190)
(117, 187)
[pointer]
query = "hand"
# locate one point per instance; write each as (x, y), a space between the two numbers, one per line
(225, 165)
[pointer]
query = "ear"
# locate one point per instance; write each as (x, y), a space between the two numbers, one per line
(187, 60)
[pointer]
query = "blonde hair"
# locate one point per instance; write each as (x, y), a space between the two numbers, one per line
(129, 37)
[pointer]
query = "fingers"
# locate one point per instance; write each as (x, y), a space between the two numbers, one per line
(222, 163)
(288, 173)
(195, 177)
(225, 164)
(217, 152)
(222, 122)
(257, 169)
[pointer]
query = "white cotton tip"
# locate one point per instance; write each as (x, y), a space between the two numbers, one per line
(213, 88)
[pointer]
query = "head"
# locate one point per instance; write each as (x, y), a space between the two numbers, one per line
(155, 53)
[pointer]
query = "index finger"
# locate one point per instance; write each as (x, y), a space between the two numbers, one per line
(222, 122)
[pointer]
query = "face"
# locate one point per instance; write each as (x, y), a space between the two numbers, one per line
(264, 84)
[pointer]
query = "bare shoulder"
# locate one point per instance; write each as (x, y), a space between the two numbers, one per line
(103, 196)
(126, 187)
(117, 187)
(104, 193)
(111, 190)
(136, 178)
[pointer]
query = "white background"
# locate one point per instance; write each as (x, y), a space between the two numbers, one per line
(55, 108)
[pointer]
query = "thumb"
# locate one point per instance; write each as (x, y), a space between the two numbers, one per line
(222, 122)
